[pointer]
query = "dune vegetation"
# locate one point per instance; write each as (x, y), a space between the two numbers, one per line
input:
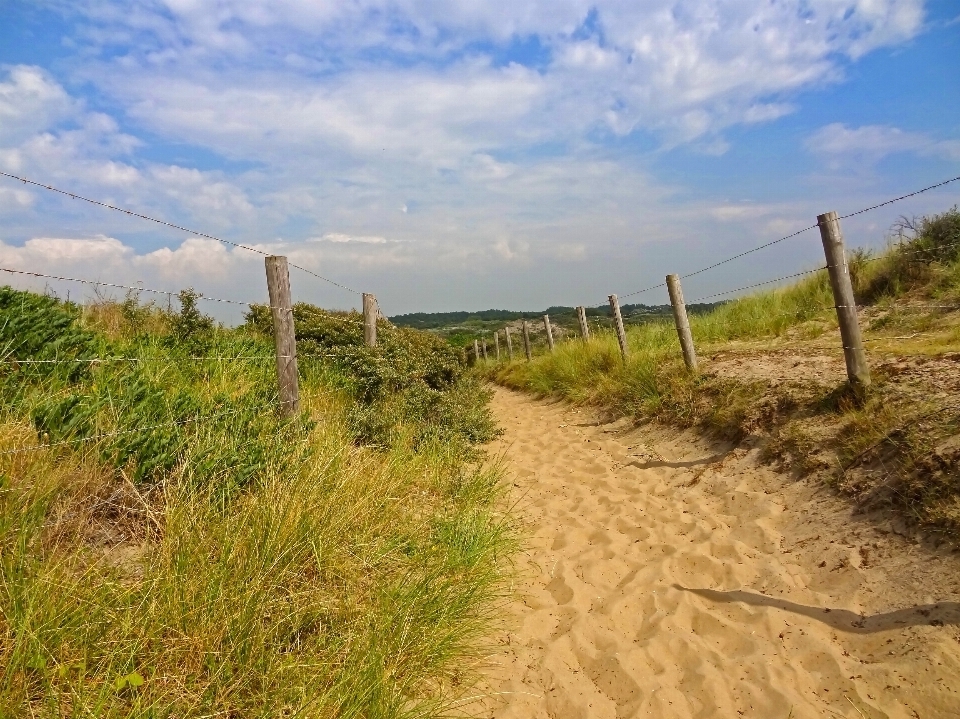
(893, 445)
(170, 547)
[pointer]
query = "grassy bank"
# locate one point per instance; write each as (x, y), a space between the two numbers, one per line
(891, 447)
(174, 549)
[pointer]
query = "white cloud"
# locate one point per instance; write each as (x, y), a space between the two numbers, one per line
(397, 135)
(871, 143)
(642, 65)
(28, 99)
(339, 237)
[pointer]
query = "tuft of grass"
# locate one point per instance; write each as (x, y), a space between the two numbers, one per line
(218, 560)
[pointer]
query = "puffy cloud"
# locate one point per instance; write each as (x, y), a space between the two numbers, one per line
(29, 99)
(449, 139)
(407, 76)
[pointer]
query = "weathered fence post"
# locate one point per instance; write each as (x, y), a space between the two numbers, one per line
(618, 321)
(549, 329)
(682, 322)
(284, 334)
(858, 372)
(526, 341)
(369, 320)
(496, 343)
(582, 319)
(484, 345)
(509, 344)
(476, 351)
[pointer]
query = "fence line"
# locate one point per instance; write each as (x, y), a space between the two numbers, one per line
(285, 340)
(799, 232)
(838, 271)
(131, 213)
(98, 283)
(97, 360)
(169, 293)
(758, 284)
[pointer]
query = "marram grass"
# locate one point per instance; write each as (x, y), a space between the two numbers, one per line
(257, 568)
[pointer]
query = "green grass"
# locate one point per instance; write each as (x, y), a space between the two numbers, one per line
(807, 427)
(220, 561)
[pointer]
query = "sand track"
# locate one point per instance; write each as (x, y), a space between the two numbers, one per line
(667, 577)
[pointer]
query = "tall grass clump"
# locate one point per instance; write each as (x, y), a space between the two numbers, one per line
(175, 549)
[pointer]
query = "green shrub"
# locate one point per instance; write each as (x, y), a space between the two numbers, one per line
(412, 387)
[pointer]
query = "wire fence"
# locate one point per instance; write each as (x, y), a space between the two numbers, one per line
(371, 311)
(797, 233)
(172, 225)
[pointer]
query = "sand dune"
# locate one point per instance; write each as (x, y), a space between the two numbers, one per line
(670, 578)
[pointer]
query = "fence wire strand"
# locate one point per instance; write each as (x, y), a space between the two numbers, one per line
(172, 225)
(798, 232)
(902, 197)
(132, 288)
(758, 284)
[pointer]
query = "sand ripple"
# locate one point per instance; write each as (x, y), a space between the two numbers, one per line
(670, 578)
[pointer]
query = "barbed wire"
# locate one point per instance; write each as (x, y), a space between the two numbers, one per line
(132, 288)
(902, 197)
(645, 289)
(171, 359)
(169, 293)
(918, 251)
(108, 206)
(758, 284)
(798, 232)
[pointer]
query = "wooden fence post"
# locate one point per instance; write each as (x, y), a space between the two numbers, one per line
(582, 319)
(549, 329)
(858, 372)
(526, 341)
(476, 351)
(484, 346)
(618, 320)
(682, 322)
(509, 344)
(369, 320)
(496, 343)
(284, 334)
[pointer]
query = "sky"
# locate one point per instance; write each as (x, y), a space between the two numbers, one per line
(465, 155)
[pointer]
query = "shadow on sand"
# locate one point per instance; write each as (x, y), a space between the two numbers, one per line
(690, 463)
(939, 614)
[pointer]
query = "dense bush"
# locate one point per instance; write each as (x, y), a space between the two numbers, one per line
(412, 387)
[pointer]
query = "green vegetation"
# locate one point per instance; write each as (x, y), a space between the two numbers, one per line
(892, 446)
(175, 549)
(461, 328)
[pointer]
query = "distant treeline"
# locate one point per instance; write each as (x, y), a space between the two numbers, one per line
(434, 320)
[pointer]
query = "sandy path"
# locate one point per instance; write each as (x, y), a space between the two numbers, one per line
(664, 580)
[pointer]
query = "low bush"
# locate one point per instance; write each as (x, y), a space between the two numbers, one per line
(413, 388)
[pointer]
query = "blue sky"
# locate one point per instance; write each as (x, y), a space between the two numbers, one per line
(467, 155)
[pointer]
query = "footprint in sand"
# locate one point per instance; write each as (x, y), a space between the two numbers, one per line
(660, 585)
